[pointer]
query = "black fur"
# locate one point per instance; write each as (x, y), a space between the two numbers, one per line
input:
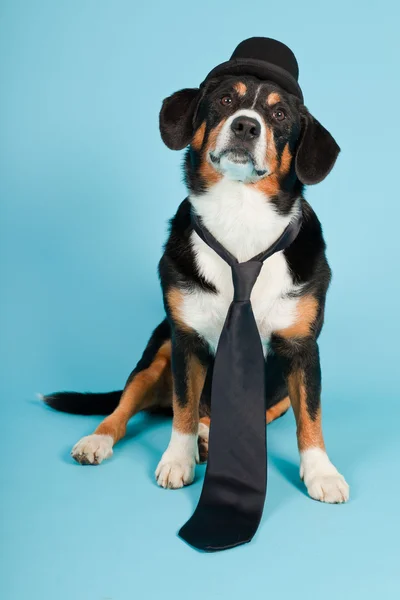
(161, 333)
(177, 265)
(314, 152)
(84, 404)
(301, 355)
(317, 151)
(176, 118)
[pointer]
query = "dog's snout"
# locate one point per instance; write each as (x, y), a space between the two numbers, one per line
(246, 128)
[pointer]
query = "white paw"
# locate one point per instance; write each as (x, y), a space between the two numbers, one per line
(331, 488)
(322, 479)
(93, 449)
(177, 465)
(173, 475)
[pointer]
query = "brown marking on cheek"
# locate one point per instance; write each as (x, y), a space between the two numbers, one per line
(175, 301)
(198, 137)
(270, 185)
(309, 431)
(186, 416)
(207, 171)
(278, 410)
(241, 88)
(273, 98)
(271, 156)
(286, 160)
(213, 135)
(140, 393)
(306, 312)
(209, 174)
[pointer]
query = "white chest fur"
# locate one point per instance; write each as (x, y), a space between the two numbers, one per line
(243, 221)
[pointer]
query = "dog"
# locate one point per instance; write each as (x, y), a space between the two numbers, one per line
(251, 149)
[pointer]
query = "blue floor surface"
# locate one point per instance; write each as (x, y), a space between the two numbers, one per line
(108, 532)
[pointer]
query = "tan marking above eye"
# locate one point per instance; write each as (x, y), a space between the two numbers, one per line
(273, 98)
(241, 88)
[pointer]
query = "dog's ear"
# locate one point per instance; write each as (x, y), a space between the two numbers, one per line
(316, 153)
(176, 118)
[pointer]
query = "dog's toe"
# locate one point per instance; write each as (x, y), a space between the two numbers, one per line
(322, 479)
(174, 474)
(92, 449)
(331, 488)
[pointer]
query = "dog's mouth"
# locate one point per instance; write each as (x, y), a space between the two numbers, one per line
(237, 163)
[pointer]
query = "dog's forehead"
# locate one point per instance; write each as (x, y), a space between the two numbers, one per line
(249, 89)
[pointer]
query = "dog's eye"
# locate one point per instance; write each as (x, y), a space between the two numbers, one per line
(226, 100)
(279, 114)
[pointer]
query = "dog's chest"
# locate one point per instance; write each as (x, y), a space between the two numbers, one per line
(245, 224)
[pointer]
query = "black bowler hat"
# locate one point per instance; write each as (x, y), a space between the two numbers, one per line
(266, 59)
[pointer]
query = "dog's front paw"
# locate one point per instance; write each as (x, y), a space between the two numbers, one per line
(174, 474)
(177, 465)
(323, 481)
(93, 449)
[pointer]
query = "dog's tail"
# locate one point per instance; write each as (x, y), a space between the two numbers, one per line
(84, 404)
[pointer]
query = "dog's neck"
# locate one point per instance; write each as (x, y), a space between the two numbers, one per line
(241, 217)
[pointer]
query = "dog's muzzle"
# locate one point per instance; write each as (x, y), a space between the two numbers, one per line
(240, 149)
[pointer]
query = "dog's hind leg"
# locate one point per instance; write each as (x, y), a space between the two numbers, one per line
(149, 385)
(278, 410)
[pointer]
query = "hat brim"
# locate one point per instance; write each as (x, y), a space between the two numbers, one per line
(258, 68)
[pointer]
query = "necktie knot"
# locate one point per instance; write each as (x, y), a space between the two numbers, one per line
(244, 276)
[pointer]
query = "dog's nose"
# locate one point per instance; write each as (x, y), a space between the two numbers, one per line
(246, 128)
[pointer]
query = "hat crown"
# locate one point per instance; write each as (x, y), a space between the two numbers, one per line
(264, 58)
(267, 49)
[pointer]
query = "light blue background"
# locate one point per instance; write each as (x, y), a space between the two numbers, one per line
(86, 189)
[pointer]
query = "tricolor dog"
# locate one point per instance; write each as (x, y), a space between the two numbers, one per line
(252, 146)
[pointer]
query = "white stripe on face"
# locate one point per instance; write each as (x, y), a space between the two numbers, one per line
(257, 94)
(225, 139)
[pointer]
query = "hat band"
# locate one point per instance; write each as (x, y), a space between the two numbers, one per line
(261, 69)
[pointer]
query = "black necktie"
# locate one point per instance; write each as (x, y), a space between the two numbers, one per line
(232, 500)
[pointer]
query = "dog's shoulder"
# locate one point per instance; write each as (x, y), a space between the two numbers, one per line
(177, 266)
(306, 256)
